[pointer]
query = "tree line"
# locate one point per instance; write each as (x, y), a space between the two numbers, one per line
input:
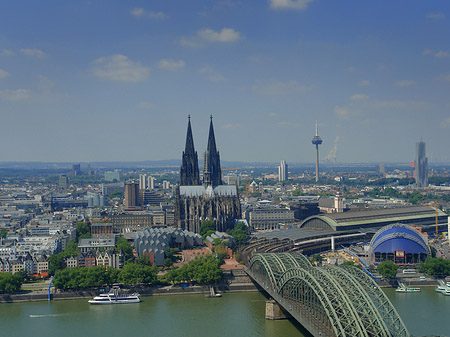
(83, 278)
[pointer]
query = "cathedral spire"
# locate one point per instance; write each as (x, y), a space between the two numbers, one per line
(212, 172)
(189, 173)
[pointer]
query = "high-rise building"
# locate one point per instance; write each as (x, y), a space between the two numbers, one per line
(381, 169)
(112, 176)
(131, 195)
(212, 172)
(151, 183)
(143, 182)
(421, 165)
(63, 181)
(283, 171)
(189, 173)
(76, 170)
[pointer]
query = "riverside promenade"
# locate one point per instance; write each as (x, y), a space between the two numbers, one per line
(234, 280)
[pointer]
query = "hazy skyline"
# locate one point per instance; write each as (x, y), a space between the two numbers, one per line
(95, 81)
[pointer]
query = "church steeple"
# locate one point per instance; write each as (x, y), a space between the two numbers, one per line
(189, 173)
(212, 172)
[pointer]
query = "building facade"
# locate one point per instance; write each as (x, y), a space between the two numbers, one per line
(421, 165)
(283, 171)
(210, 201)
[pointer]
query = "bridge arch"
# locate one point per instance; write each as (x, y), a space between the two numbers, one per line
(328, 301)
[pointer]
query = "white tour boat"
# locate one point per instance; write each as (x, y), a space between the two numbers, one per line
(114, 297)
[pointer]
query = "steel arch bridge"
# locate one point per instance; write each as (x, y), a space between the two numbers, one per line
(327, 301)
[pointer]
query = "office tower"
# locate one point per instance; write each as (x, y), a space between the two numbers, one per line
(151, 183)
(131, 195)
(143, 182)
(63, 181)
(283, 171)
(112, 176)
(76, 170)
(212, 172)
(421, 165)
(381, 169)
(189, 173)
(317, 141)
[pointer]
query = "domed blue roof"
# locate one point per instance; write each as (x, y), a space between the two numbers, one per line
(399, 237)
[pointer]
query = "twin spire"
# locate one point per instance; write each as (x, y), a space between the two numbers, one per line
(189, 172)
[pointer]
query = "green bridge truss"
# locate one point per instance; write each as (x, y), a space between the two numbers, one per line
(327, 301)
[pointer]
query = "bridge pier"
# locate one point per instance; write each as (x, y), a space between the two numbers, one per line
(274, 311)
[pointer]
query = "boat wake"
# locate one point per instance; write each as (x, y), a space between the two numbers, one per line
(46, 315)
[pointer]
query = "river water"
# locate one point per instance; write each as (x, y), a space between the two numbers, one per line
(235, 314)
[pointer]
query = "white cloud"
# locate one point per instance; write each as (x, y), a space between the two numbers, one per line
(405, 83)
(397, 104)
(359, 97)
(138, 12)
(33, 52)
(232, 126)
(142, 13)
(3, 73)
(273, 114)
(427, 52)
(45, 83)
(120, 68)
(442, 54)
(169, 64)
(146, 105)
(446, 123)
(277, 88)
(435, 16)
(15, 95)
(6, 52)
(351, 69)
(445, 77)
(290, 4)
(190, 42)
(206, 35)
(211, 74)
(344, 112)
(288, 124)
(364, 83)
(224, 35)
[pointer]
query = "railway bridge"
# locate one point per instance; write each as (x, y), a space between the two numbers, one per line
(327, 301)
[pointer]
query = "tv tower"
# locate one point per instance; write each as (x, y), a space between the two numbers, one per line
(317, 141)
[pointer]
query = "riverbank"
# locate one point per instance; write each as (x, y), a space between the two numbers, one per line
(233, 281)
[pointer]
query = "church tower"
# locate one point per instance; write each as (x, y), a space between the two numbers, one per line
(189, 173)
(212, 172)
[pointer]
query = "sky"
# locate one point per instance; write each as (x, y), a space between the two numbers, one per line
(88, 81)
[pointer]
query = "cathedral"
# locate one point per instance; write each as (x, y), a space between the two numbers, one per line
(210, 200)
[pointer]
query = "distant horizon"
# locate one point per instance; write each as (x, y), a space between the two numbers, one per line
(167, 163)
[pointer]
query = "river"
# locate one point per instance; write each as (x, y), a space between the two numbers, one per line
(235, 314)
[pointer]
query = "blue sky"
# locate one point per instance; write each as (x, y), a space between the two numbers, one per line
(115, 80)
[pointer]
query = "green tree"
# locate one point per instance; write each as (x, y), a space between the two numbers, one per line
(134, 273)
(124, 245)
(206, 227)
(10, 283)
(202, 270)
(387, 269)
(239, 233)
(435, 267)
(83, 230)
(3, 234)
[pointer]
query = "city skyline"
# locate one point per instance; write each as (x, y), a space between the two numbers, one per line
(97, 81)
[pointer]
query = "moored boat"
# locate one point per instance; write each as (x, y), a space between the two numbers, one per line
(404, 289)
(114, 297)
